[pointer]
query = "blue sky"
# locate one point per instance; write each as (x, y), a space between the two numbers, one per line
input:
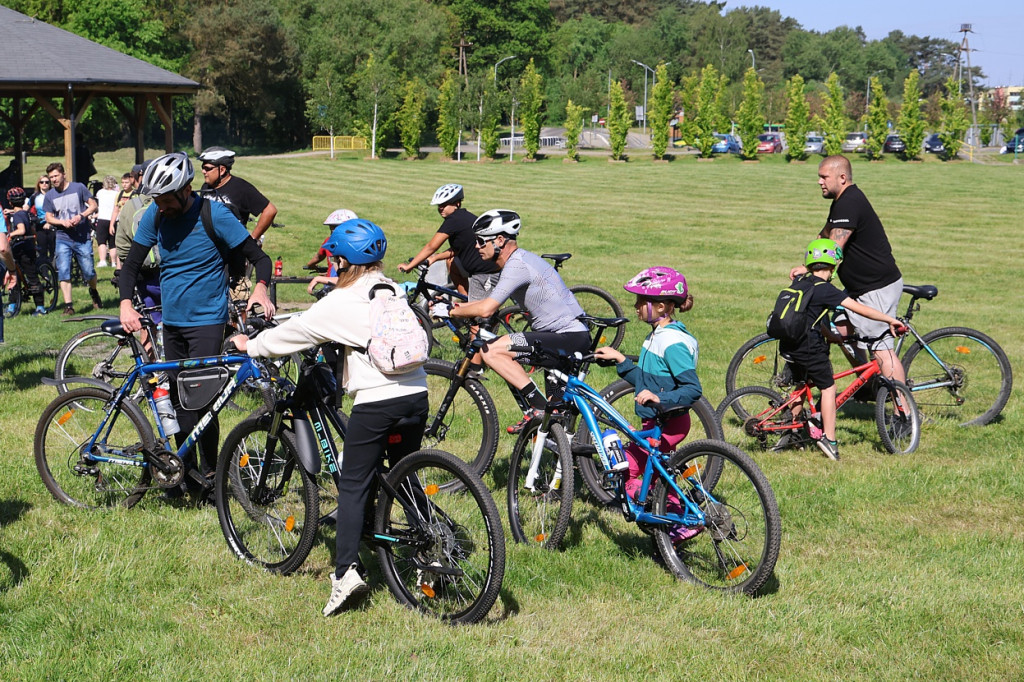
(997, 42)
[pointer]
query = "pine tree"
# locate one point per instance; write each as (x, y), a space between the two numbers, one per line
(661, 110)
(708, 115)
(877, 119)
(954, 120)
(531, 98)
(751, 113)
(448, 115)
(618, 121)
(797, 118)
(412, 116)
(834, 124)
(911, 121)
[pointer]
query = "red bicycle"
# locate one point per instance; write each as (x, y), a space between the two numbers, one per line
(761, 417)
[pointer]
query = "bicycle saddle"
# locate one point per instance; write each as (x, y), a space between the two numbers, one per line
(559, 258)
(925, 291)
(603, 321)
(114, 328)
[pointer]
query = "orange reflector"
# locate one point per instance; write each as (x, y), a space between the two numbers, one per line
(604, 339)
(427, 590)
(738, 571)
(963, 349)
(455, 339)
(289, 524)
(431, 489)
(66, 416)
(759, 359)
(691, 470)
(243, 460)
(540, 537)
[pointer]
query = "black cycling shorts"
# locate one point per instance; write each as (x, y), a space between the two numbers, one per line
(565, 343)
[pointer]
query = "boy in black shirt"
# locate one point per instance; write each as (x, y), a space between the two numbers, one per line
(808, 360)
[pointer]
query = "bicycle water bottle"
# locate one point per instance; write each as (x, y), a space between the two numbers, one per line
(278, 267)
(613, 447)
(165, 410)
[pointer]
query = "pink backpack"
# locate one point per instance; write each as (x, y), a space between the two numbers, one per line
(398, 344)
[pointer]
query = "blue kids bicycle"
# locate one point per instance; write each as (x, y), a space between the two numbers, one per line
(708, 506)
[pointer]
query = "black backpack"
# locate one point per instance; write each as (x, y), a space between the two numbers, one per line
(789, 320)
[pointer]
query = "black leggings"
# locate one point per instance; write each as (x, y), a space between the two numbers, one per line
(46, 242)
(366, 443)
(25, 253)
(181, 343)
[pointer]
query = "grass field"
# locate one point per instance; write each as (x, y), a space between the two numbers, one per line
(891, 567)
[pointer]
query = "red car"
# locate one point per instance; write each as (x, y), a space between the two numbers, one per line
(769, 143)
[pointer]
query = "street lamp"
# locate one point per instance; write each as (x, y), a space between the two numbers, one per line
(653, 83)
(504, 59)
(753, 62)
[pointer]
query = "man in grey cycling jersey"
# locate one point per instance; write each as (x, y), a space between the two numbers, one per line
(535, 286)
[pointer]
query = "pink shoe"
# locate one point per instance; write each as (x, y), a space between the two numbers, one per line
(684, 533)
(814, 427)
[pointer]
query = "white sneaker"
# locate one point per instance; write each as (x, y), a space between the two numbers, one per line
(346, 590)
(102, 264)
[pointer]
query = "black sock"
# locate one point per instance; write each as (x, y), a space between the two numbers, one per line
(520, 399)
(533, 396)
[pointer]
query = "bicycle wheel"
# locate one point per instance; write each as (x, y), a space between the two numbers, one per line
(272, 526)
(597, 302)
(737, 545)
(65, 461)
(753, 431)
(94, 353)
(14, 297)
(469, 425)
(442, 553)
(975, 385)
(703, 424)
(539, 511)
(48, 281)
(428, 326)
(899, 424)
(756, 363)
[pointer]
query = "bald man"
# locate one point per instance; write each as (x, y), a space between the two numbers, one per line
(868, 270)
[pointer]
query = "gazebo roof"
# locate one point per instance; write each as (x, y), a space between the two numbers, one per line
(45, 59)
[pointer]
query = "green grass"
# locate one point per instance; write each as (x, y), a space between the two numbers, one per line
(891, 567)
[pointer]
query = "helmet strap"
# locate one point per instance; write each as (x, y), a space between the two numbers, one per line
(648, 315)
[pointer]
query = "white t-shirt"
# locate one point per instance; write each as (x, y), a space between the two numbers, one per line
(105, 198)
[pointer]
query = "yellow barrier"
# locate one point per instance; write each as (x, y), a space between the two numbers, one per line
(322, 143)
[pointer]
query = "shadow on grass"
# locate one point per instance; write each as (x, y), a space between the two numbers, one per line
(11, 511)
(14, 367)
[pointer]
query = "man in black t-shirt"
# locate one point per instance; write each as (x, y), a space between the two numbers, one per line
(240, 196)
(470, 273)
(868, 271)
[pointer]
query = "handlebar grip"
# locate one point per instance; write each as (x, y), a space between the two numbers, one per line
(521, 349)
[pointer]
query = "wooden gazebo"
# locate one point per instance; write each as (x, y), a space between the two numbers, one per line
(44, 67)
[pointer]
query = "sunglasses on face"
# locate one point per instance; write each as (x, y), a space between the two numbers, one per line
(207, 169)
(480, 241)
(44, 182)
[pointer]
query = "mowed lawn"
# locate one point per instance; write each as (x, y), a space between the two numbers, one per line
(891, 567)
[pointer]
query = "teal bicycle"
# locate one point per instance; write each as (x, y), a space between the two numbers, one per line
(709, 508)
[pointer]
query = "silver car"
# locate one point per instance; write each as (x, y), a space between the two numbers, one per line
(855, 142)
(815, 144)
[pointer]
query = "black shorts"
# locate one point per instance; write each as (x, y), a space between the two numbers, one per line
(566, 343)
(810, 362)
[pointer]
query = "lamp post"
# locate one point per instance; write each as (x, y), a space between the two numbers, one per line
(753, 62)
(646, 69)
(503, 59)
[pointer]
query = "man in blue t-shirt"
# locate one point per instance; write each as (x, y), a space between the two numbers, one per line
(193, 279)
(68, 206)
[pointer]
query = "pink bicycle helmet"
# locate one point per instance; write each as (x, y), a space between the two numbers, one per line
(659, 283)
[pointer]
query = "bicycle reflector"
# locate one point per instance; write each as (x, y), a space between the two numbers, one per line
(963, 349)
(431, 489)
(759, 359)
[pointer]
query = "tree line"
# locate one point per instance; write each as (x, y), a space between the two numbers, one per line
(410, 72)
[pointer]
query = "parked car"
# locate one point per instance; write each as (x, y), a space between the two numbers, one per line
(769, 143)
(933, 144)
(815, 144)
(1015, 145)
(894, 144)
(727, 144)
(855, 142)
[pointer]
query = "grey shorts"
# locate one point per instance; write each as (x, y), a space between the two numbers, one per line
(887, 300)
(481, 285)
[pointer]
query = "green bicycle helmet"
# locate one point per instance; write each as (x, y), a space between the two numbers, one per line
(823, 251)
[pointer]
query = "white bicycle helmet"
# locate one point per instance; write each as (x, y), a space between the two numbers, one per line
(497, 221)
(218, 156)
(447, 194)
(340, 216)
(166, 174)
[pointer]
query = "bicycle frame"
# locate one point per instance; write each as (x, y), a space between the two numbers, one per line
(585, 399)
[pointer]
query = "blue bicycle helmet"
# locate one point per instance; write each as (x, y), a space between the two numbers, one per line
(360, 242)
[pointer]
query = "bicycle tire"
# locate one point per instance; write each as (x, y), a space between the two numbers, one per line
(469, 426)
(540, 514)
(743, 432)
(597, 302)
(738, 546)
(14, 297)
(587, 461)
(982, 387)
(427, 325)
(67, 425)
(48, 281)
(458, 531)
(899, 422)
(97, 354)
(756, 363)
(272, 528)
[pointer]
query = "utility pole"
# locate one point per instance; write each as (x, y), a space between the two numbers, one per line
(965, 47)
(462, 45)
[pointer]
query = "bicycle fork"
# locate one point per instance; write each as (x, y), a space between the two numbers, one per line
(539, 441)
